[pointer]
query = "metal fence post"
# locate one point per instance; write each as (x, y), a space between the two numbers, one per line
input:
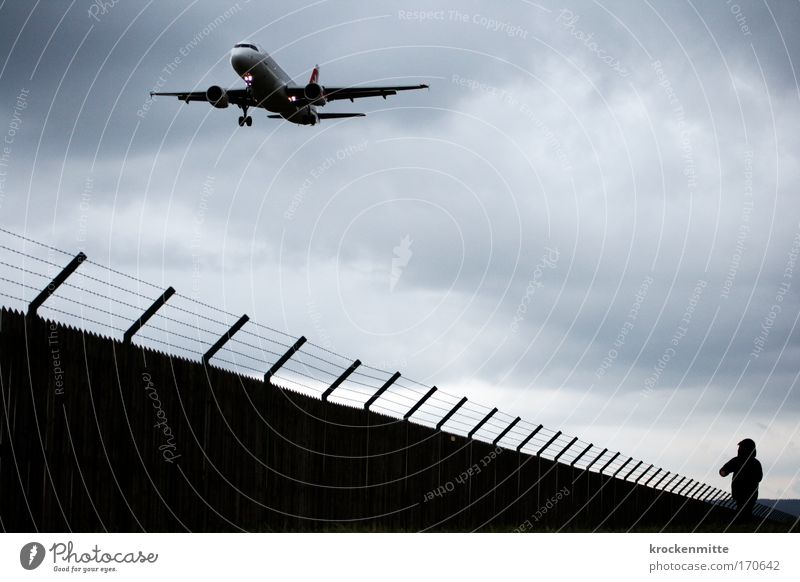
(529, 437)
(449, 415)
(340, 379)
(55, 283)
(505, 431)
(224, 338)
(481, 423)
(381, 390)
(419, 403)
(548, 443)
(151, 311)
(653, 476)
(565, 449)
(283, 359)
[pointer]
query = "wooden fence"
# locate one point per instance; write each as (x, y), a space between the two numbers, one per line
(98, 435)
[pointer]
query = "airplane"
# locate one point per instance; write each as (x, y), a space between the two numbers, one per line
(269, 87)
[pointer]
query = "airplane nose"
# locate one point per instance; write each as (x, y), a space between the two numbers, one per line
(238, 61)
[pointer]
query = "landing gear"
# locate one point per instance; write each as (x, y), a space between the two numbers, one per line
(245, 119)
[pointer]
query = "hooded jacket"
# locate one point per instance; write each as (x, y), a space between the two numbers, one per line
(746, 469)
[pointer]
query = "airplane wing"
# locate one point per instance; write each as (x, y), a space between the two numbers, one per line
(351, 93)
(235, 96)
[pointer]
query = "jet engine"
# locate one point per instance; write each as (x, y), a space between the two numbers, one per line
(217, 96)
(315, 94)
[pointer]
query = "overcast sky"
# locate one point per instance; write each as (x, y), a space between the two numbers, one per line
(587, 220)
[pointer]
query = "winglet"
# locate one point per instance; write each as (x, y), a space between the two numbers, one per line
(314, 75)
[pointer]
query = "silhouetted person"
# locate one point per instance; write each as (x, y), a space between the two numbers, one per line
(747, 474)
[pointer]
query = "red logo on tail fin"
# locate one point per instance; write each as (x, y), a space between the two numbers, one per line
(314, 75)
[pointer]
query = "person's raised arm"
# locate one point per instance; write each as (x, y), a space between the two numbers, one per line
(728, 468)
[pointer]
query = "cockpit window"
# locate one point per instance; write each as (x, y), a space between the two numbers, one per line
(246, 45)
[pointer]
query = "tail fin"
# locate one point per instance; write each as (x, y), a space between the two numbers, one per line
(314, 75)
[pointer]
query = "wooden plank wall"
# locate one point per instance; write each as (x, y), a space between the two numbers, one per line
(83, 448)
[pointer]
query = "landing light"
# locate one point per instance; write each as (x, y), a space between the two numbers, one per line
(292, 98)
(248, 78)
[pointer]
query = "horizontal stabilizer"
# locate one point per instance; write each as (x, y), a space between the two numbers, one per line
(339, 115)
(327, 115)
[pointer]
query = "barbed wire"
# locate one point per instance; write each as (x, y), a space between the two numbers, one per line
(172, 306)
(30, 240)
